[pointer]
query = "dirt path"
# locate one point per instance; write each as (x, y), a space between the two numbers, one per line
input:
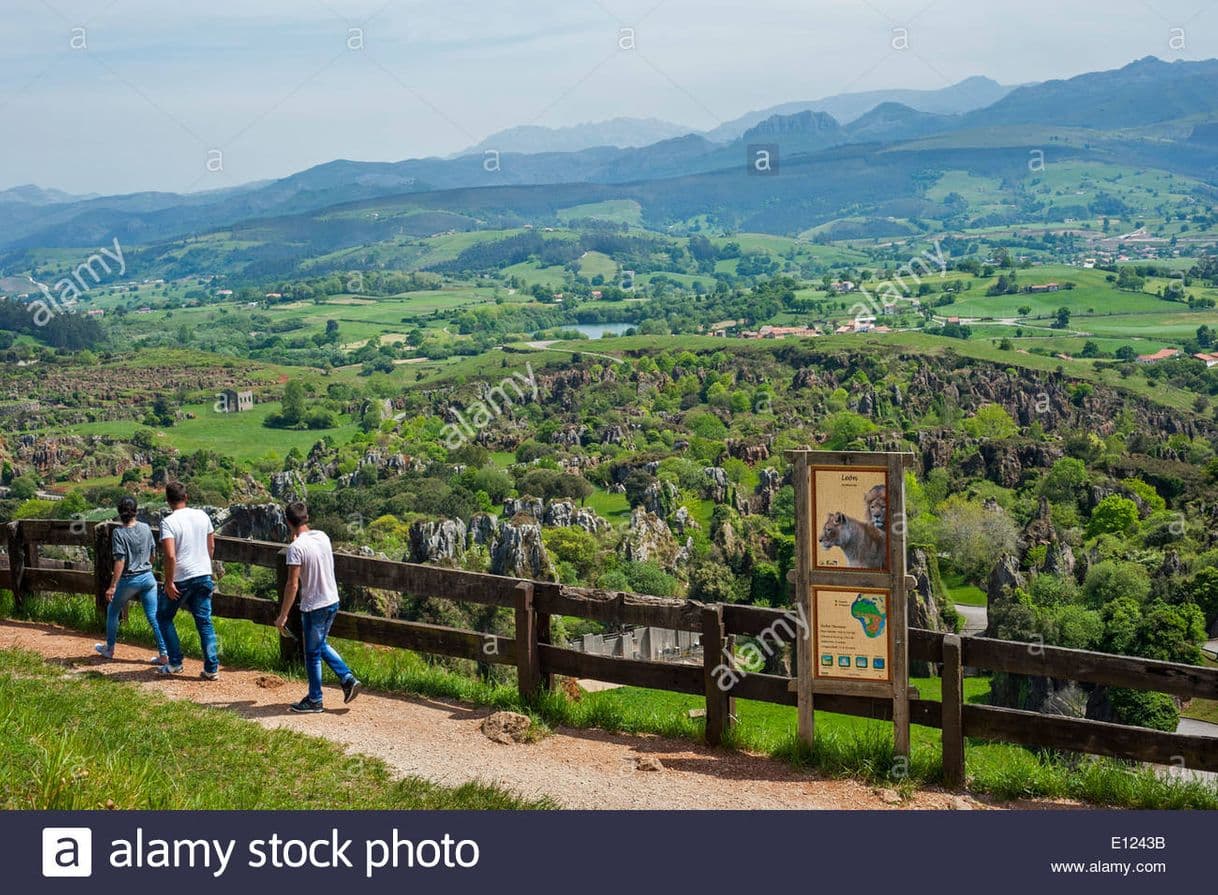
(441, 741)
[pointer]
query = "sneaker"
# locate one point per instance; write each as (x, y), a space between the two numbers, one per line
(210, 675)
(169, 669)
(351, 688)
(104, 651)
(162, 659)
(306, 706)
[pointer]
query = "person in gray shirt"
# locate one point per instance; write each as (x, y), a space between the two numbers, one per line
(132, 546)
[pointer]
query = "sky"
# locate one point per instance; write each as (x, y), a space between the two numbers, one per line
(115, 96)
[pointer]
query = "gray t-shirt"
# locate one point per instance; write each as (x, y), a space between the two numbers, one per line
(134, 547)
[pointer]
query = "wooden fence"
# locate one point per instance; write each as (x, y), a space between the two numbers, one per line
(536, 658)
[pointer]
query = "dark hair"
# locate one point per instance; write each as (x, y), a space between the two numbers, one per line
(175, 492)
(127, 508)
(297, 513)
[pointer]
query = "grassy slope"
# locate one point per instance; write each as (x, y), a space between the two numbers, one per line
(89, 742)
(238, 435)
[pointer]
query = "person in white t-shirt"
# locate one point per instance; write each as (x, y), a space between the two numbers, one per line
(310, 562)
(188, 542)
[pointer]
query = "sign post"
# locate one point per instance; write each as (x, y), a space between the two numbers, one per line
(850, 580)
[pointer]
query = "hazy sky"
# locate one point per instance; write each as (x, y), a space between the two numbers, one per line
(156, 89)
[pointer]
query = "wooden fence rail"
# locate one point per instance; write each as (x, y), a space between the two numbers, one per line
(536, 658)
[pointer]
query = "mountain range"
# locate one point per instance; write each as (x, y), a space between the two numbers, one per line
(840, 153)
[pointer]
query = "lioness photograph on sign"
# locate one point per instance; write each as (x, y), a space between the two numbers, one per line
(851, 509)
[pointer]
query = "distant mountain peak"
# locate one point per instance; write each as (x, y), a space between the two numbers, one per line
(622, 132)
(806, 122)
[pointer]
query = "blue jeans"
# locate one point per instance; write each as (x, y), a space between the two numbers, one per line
(316, 627)
(143, 586)
(195, 595)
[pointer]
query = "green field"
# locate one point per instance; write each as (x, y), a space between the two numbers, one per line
(960, 591)
(619, 211)
(238, 435)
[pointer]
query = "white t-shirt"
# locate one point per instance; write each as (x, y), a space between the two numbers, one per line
(312, 552)
(188, 528)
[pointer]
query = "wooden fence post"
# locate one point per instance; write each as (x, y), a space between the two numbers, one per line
(804, 562)
(103, 566)
(528, 657)
(291, 647)
(544, 635)
(16, 564)
(718, 700)
(953, 712)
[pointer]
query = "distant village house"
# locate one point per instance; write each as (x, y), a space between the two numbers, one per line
(1161, 354)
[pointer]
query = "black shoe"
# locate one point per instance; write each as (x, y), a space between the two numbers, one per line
(351, 688)
(306, 706)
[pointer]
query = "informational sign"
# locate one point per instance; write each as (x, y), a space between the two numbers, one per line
(852, 634)
(850, 579)
(850, 508)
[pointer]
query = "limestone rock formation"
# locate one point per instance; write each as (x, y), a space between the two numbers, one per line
(437, 541)
(648, 538)
(518, 551)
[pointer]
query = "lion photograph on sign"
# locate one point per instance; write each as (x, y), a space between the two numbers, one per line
(851, 510)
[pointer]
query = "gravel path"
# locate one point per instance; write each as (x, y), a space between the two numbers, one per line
(441, 741)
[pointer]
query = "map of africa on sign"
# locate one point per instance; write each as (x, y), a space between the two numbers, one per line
(870, 616)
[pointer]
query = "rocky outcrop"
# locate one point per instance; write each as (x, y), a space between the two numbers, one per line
(926, 597)
(925, 600)
(750, 452)
(683, 522)
(259, 522)
(1007, 461)
(565, 514)
(531, 506)
(518, 551)
(1040, 531)
(761, 501)
(1059, 560)
(481, 530)
(648, 539)
(1005, 579)
(717, 484)
(441, 541)
(659, 498)
(255, 522)
(288, 486)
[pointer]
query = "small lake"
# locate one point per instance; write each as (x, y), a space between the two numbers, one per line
(596, 330)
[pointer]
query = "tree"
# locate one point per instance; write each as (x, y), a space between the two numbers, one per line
(1066, 481)
(162, 411)
(1202, 589)
(974, 535)
(24, 487)
(991, 421)
(1113, 579)
(292, 407)
(1129, 280)
(1113, 515)
(844, 428)
(1061, 320)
